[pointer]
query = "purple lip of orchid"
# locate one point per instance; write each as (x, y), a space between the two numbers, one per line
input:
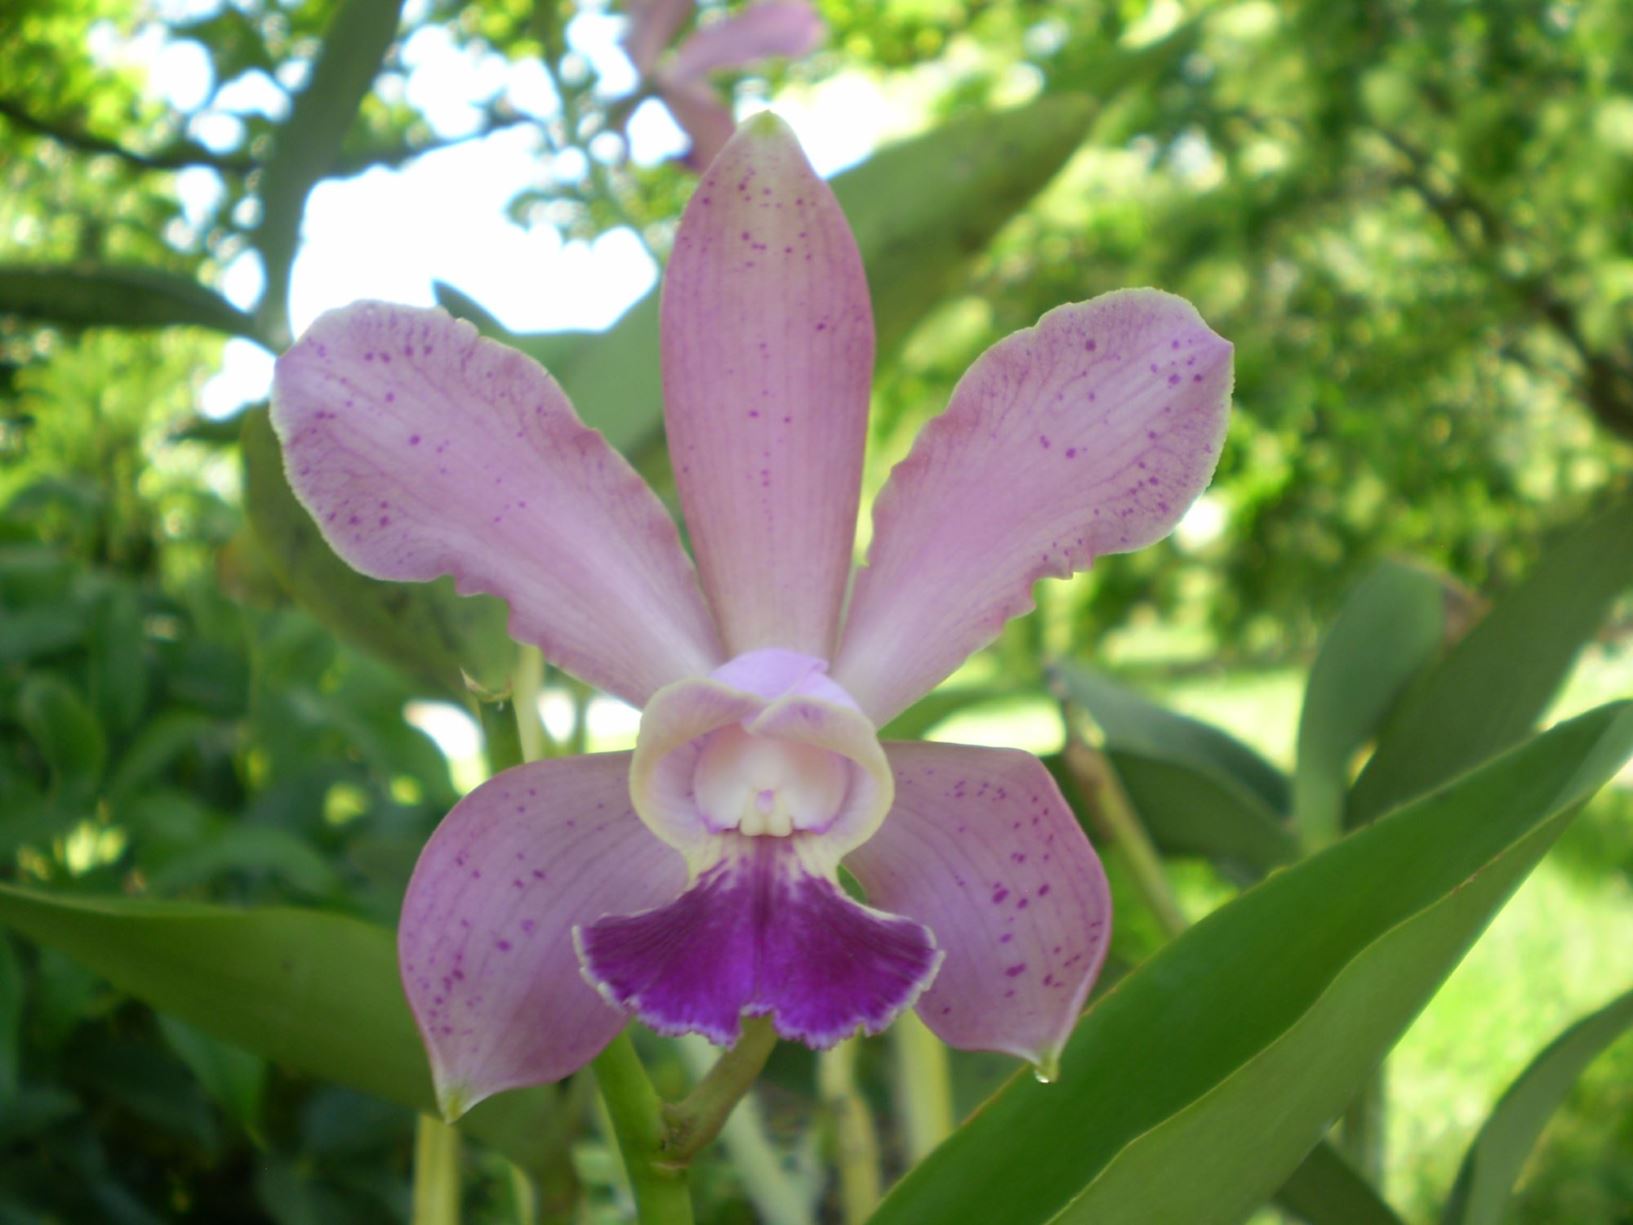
(694, 880)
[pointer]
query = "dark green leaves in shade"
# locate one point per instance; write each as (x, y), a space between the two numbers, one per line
(1387, 631)
(1327, 1190)
(424, 628)
(116, 296)
(1190, 811)
(1493, 687)
(314, 992)
(1493, 1163)
(1133, 723)
(1195, 1088)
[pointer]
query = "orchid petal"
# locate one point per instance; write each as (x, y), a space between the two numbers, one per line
(486, 960)
(422, 450)
(787, 28)
(776, 696)
(763, 931)
(1088, 434)
(981, 848)
(767, 356)
(652, 26)
(703, 116)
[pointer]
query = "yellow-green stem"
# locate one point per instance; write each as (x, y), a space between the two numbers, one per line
(694, 1121)
(924, 1090)
(1119, 827)
(855, 1142)
(436, 1173)
(633, 1105)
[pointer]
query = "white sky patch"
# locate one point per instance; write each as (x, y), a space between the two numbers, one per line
(1203, 524)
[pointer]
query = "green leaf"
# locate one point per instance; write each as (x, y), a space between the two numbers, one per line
(1193, 1090)
(1133, 723)
(1495, 684)
(1389, 628)
(426, 629)
(61, 724)
(1493, 1163)
(309, 142)
(123, 296)
(1196, 812)
(315, 992)
(11, 1019)
(232, 1076)
(1327, 1190)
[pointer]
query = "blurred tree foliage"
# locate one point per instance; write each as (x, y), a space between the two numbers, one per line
(1410, 217)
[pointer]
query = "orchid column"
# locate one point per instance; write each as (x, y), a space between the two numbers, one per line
(693, 881)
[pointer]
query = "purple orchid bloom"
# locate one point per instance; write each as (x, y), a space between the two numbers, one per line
(761, 31)
(695, 880)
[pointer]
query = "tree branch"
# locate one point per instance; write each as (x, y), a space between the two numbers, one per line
(177, 156)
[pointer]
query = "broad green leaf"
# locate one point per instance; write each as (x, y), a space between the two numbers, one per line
(308, 143)
(61, 724)
(1327, 1190)
(315, 992)
(122, 296)
(425, 629)
(1493, 1162)
(921, 210)
(1194, 1089)
(1206, 813)
(941, 704)
(1387, 631)
(1495, 684)
(1133, 723)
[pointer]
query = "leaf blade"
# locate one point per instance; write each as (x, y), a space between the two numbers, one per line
(1195, 1087)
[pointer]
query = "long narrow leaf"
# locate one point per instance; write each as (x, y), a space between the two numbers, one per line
(1495, 684)
(315, 992)
(1493, 1162)
(1196, 1087)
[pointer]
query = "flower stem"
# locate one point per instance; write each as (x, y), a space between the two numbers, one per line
(1115, 821)
(856, 1143)
(436, 1173)
(694, 1121)
(659, 1184)
(924, 1091)
(780, 1195)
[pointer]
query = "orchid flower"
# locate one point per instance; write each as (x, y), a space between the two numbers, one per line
(763, 30)
(694, 880)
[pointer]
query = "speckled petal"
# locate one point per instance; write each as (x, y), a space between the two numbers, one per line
(981, 848)
(767, 357)
(1090, 433)
(485, 940)
(764, 931)
(423, 450)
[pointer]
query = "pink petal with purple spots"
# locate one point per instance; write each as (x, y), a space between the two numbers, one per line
(423, 450)
(761, 933)
(981, 848)
(767, 357)
(485, 940)
(1090, 433)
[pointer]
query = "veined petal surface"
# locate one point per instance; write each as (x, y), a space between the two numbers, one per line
(767, 359)
(422, 449)
(484, 943)
(1090, 433)
(981, 848)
